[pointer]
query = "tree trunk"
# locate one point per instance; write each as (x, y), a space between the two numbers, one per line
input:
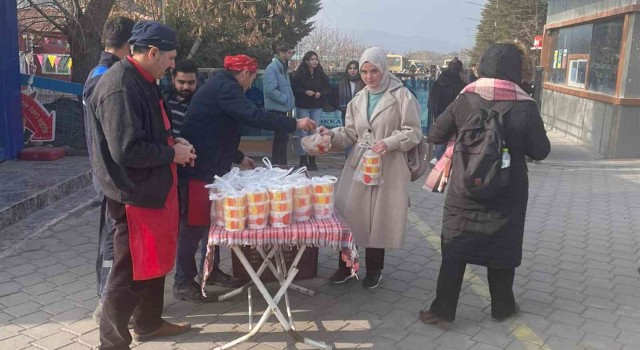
(84, 35)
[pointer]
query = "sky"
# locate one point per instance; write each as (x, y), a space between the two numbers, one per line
(451, 22)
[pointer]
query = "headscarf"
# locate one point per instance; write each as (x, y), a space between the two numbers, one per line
(149, 33)
(378, 58)
(240, 63)
(501, 61)
(344, 87)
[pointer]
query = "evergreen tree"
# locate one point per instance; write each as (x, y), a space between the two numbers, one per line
(508, 20)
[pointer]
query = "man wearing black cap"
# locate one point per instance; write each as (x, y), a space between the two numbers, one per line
(116, 33)
(135, 162)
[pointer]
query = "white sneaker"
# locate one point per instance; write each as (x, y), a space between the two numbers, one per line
(434, 161)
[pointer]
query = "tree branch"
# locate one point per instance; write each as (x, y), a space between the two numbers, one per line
(47, 17)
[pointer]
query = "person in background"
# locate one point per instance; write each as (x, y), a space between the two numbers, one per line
(278, 96)
(471, 74)
(348, 87)
(135, 162)
(115, 34)
(488, 232)
(217, 111)
(387, 114)
(444, 90)
(185, 84)
(311, 88)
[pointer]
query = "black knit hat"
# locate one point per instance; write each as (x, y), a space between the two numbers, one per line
(148, 33)
(501, 61)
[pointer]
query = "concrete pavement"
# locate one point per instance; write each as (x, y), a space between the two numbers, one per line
(578, 285)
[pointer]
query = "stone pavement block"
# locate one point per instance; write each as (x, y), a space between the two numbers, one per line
(81, 327)
(9, 288)
(565, 317)
(91, 339)
(539, 297)
(600, 342)
(70, 316)
(22, 309)
(55, 341)
(568, 305)
(14, 299)
(417, 341)
(560, 343)
(32, 320)
(30, 279)
(39, 288)
(159, 344)
(75, 346)
(455, 340)
(44, 330)
(565, 331)
(391, 330)
(480, 346)
(9, 331)
(18, 342)
(521, 345)
(418, 293)
(59, 307)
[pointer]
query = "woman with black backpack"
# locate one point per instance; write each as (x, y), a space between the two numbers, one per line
(484, 211)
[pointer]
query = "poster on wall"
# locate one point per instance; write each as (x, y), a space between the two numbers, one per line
(555, 59)
(564, 59)
(559, 63)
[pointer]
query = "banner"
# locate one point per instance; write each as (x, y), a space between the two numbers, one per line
(70, 62)
(51, 59)
(40, 59)
(57, 60)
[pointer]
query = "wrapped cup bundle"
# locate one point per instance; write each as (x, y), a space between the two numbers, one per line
(371, 168)
(280, 205)
(323, 196)
(257, 207)
(302, 201)
(234, 211)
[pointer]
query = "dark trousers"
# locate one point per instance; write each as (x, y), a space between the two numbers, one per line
(503, 302)
(374, 259)
(104, 261)
(124, 295)
(439, 150)
(279, 146)
(188, 240)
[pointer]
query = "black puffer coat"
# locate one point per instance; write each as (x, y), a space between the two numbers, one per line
(489, 232)
(444, 90)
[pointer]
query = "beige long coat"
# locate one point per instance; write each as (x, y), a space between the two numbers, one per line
(377, 215)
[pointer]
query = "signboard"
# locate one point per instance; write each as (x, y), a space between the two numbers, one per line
(537, 42)
(37, 119)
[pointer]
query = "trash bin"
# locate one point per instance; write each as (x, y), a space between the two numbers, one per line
(308, 264)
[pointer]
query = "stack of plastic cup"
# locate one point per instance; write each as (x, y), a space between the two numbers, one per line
(302, 201)
(258, 208)
(371, 171)
(323, 199)
(234, 211)
(280, 206)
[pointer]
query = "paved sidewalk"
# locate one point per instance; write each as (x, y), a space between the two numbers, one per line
(578, 285)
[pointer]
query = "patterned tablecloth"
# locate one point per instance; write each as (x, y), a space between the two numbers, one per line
(331, 233)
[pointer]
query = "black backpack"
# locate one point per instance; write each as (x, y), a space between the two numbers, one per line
(477, 156)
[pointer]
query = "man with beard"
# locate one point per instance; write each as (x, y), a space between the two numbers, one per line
(185, 83)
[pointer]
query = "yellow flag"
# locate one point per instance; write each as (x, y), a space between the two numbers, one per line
(70, 63)
(51, 60)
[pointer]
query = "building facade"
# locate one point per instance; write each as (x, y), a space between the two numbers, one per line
(591, 61)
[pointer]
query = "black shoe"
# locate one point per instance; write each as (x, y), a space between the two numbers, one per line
(189, 292)
(312, 164)
(303, 162)
(372, 279)
(341, 276)
(219, 278)
(514, 314)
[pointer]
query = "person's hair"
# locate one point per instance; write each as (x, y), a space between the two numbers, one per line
(303, 67)
(140, 49)
(455, 66)
(117, 31)
(350, 64)
(185, 66)
(528, 70)
(281, 46)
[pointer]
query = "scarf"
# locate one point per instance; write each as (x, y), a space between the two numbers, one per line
(378, 58)
(497, 90)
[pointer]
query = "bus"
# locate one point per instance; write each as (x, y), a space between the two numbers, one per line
(397, 63)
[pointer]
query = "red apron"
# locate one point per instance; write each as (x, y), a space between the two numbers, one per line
(199, 204)
(153, 233)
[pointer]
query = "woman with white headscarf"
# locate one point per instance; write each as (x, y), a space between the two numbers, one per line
(387, 114)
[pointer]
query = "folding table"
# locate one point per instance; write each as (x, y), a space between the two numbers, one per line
(270, 243)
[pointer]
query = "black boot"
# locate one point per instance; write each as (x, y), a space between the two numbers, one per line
(312, 164)
(303, 162)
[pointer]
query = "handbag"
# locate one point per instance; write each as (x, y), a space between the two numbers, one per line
(439, 175)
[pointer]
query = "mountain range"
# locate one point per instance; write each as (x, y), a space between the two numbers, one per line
(397, 43)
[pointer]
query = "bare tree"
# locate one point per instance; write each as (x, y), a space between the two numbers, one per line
(334, 48)
(81, 21)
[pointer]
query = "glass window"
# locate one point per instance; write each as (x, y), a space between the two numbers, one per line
(605, 55)
(586, 56)
(59, 66)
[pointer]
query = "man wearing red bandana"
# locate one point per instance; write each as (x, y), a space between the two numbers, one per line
(212, 126)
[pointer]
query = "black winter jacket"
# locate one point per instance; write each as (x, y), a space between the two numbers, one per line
(443, 91)
(132, 155)
(303, 81)
(213, 122)
(490, 232)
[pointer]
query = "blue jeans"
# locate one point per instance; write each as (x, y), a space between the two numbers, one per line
(315, 114)
(188, 239)
(439, 150)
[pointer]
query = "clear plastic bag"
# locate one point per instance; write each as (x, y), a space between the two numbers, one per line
(369, 170)
(316, 144)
